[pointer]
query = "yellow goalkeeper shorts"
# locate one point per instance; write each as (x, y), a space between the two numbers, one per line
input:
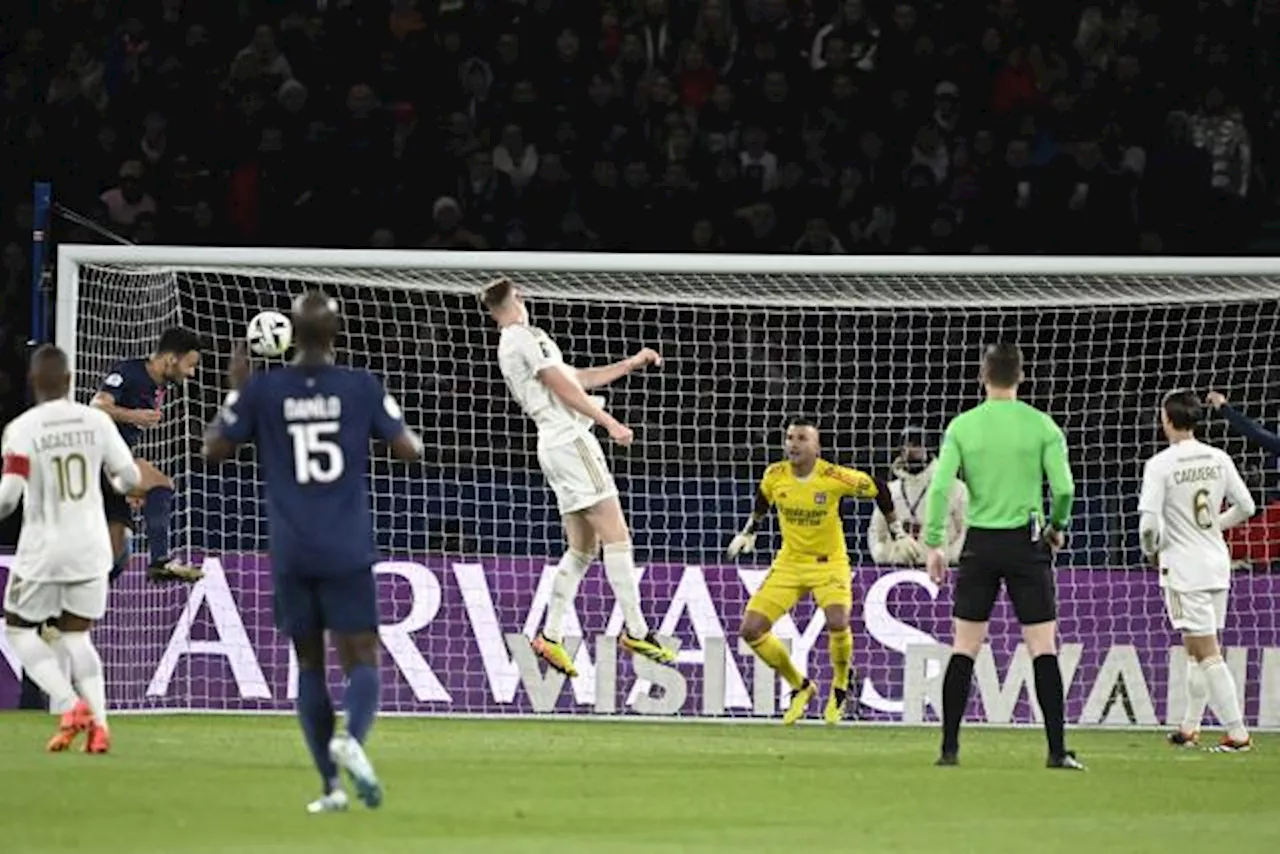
(787, 583)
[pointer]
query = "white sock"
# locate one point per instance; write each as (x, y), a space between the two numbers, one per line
(569, 572)
(40, 663)
(1197, 697)
(1222, 690)
(620, 570)
(86, 672)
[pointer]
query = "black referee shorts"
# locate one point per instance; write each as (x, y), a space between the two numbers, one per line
(116, 507)
(1023, 564)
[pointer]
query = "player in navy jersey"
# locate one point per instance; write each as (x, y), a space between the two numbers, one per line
(312, 422)
(133, 395)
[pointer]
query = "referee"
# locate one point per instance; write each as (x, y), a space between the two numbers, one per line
(1006, 449)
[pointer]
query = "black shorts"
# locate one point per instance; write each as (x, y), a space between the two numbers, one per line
(114, 504)
(1025, 565)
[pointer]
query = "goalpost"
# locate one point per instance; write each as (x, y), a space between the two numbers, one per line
(868, 345)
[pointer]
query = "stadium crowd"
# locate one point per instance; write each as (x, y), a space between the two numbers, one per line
(806, 126)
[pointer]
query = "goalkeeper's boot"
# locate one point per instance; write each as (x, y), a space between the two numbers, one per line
(1231, 745)
(836, 703)
(348, 755)
(554, 654)
(97, 739)
(172, 570)
(73, 722)
(800, 702)
(648, 647)
(1181, 738)
(1065, 762)
(335, 801)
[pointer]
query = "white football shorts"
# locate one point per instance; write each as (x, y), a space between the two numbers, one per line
(37, 601)
(1196, 612)
(577, 474)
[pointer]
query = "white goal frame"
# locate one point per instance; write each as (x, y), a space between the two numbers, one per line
(1022, 283)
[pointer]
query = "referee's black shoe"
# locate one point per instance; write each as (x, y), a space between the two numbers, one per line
(1066, 762)
(947, 759)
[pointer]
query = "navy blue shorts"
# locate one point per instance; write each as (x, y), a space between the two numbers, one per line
(308, 605)
(115, 505)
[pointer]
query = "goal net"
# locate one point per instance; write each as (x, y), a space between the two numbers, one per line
(866, 346)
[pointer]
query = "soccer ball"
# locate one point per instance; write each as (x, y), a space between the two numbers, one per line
(269, 334)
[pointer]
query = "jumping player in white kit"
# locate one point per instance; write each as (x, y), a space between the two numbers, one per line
(1181, 526)
(552, 394)
(54, 454)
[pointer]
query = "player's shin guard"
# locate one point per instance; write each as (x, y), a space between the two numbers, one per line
(315, 714)
(86, 673)
(40, 663)
(569, 573)
(362, 700)
(1197, 691)
(1049, 694)
(1225, 699)
(956, 685)
(157, 511)
(840, 645)
(620, 570)
(774, 654)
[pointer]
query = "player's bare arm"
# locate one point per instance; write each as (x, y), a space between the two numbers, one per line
(123, 415)
(602, 376)
(217, 447)
(744, 542)
(564, 387)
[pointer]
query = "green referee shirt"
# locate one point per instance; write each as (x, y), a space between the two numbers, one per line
(1006, 449)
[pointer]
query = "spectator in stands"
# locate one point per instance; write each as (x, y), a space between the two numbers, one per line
(128, 199)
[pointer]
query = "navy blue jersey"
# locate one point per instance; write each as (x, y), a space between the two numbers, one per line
(131, 387)
(312, 426)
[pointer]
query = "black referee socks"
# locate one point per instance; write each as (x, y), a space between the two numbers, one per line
(955, 697)
(1049, 693)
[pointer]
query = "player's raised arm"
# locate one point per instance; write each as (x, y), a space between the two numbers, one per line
(859, 484)
(1242, 504)
(557, 379)
(601, 376)
(1250, 429)
(234, 424)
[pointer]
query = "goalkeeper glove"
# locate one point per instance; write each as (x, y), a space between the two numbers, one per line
(906, 549)
(744, 542)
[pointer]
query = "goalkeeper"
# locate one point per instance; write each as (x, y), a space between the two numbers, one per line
(806, 490)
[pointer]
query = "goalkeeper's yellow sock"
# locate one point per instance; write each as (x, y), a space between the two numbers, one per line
(840, 644)
(774, 654)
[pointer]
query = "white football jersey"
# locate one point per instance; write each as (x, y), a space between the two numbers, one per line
(1184, 486)
(62, 447)
(523, 351)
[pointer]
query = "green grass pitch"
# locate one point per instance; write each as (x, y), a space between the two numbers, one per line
(238, 785)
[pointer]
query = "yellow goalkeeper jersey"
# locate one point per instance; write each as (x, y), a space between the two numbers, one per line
(809, 510)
